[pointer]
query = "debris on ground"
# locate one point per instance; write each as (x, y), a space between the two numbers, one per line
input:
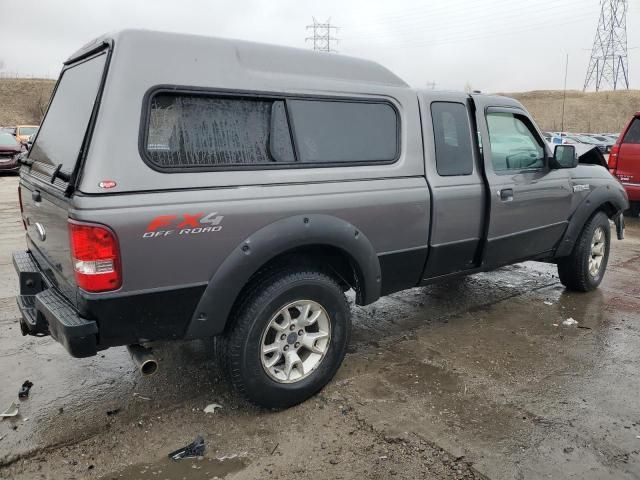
(193, 450)
(140, 396)
(547, 302)
(115, 411)
(24, 389)
(570, 322)
(212, 407)
(12, 411)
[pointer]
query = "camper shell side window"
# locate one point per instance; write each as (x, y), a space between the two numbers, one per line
(193, 130)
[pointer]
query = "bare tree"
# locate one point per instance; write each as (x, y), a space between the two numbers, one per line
(39, 103)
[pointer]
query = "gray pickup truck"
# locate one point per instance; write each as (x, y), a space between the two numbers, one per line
(184, 187)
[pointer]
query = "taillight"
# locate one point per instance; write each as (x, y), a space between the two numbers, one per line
(613, 157)
(21, 207)
(95, 257)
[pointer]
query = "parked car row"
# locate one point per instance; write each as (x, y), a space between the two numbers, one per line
(603, 141)
(10, 149)
(22, 133)
(14, 141)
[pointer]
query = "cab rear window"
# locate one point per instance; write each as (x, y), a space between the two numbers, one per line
(63, 130)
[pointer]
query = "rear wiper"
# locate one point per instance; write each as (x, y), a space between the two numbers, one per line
(57, 173)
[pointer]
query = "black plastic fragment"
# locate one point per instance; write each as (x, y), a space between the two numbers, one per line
(194, 449)
(24, 389)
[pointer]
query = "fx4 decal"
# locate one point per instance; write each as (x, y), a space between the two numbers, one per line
(185, 224)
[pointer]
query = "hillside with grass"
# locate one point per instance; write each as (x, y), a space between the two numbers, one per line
(23, 101)
(589, 112)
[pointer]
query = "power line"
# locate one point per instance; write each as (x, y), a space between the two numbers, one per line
(510, 30)
(322, 35)
(475, 14)
(609, 63)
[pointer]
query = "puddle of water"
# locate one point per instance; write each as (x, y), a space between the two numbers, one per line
(186, 469)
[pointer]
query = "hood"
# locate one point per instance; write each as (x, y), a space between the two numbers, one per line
(10, 148)
(591, 155)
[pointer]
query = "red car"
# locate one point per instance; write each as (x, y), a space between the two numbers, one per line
(9, 151)
(624, 162)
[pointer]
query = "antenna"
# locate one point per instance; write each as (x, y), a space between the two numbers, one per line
(322, 35)
(609, 63)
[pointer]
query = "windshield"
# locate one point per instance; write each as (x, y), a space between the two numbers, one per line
(7, 140)
(64, 127)
(28, 130)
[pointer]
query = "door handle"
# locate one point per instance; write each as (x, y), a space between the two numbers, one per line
(506, 194)
(35, 195)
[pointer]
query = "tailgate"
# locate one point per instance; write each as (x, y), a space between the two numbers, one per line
(45, 215)
(56, 157)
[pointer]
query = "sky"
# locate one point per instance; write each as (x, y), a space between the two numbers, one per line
(490, 45)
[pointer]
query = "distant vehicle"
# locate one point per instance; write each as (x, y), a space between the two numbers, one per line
(607, 141)
(9, 151)
(11, 130)
(23, 132)
(578, 138)
(624, 162)
(590, 140)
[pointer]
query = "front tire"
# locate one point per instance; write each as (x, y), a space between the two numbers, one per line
(584, 269)
(288, 337)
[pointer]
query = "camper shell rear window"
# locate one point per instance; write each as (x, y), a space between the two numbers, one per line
(210, 131)
(60, 138)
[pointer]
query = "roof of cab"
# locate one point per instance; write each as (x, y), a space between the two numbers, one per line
(253, 56)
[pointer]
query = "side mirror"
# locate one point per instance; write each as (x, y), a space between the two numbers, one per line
(564, 156)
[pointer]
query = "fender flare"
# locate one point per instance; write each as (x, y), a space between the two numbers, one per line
(211, 314)
(592, 202)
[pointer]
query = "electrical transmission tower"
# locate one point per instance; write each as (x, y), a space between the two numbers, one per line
(609, 64)
(322, 35)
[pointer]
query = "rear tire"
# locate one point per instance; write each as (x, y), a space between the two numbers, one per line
(262, 358)
(584, 269)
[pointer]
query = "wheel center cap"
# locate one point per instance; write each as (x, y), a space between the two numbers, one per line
(292, 337)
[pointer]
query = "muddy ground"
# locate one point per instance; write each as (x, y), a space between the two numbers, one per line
(472, 379)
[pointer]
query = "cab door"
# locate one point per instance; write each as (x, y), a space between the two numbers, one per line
(454, 174)
(529, 203)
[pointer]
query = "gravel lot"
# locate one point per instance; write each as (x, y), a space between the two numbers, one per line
(472, 379)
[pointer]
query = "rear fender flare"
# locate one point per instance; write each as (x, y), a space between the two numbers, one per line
(596, 199)
(212, 312)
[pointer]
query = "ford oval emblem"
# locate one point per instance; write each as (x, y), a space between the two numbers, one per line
(41, 231)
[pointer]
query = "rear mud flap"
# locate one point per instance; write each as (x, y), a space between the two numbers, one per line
(619, 221)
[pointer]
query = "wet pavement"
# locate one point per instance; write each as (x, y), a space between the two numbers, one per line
(472, 379)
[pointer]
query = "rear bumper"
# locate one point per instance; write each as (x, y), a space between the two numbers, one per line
(45, 311)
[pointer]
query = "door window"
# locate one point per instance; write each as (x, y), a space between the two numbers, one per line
(513, 144)
(453, 138)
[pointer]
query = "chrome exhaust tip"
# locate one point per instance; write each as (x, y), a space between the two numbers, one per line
(144, 359)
